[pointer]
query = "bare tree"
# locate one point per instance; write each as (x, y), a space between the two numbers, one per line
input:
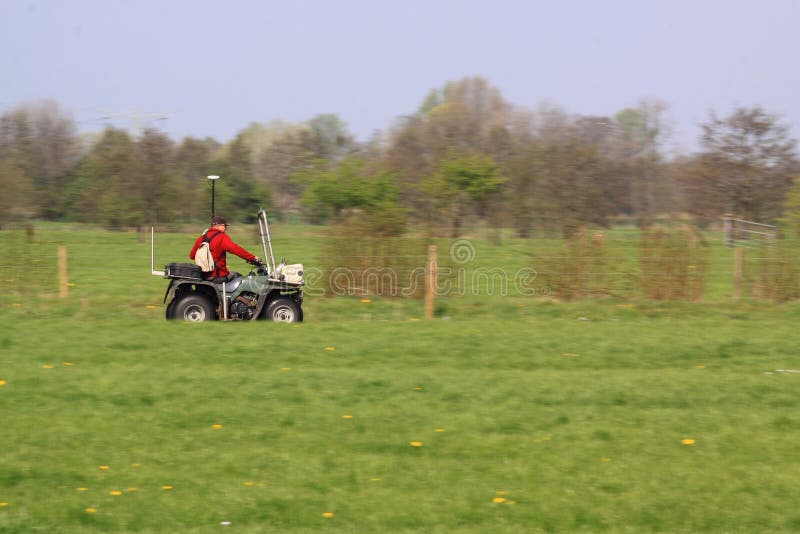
(746, 166)
(635, 148)
(39, 139)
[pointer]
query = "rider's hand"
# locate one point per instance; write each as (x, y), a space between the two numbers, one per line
(255, 261)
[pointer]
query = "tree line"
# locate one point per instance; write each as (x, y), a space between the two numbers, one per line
(466, 156)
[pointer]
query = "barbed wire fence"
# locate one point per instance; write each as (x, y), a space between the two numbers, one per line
(749, 274)
(670, 265)
(765, 264)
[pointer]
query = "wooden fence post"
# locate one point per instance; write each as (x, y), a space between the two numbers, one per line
(738, 267)
(63, 287)
(727, 229)
(430, 281)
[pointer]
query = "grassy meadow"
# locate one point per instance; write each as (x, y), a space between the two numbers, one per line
(503, 414)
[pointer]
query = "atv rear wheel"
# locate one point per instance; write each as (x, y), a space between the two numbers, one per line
(192, 308)
(283, 310)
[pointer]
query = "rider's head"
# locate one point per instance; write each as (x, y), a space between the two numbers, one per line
(220, 222)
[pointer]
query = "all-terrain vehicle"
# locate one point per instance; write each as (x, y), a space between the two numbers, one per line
(267, 292)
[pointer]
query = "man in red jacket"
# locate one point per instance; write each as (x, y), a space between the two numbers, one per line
(219, 243)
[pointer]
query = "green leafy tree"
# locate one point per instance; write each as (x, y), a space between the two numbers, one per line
(104, 187)
(348, 188)
(461, 181)
(465, 116)
(15, 187)
(192, 166)
(158, 187)
(238, 194)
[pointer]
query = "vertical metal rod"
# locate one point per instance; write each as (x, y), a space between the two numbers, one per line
(269, 240)
(224, 303)
(212, 198)
(153, 253)
(263, 241)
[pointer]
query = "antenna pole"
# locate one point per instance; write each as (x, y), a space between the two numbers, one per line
(213, 179)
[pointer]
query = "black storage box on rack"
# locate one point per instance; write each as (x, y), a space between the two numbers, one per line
(183, 270)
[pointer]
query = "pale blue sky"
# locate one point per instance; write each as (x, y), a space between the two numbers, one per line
(213, 67)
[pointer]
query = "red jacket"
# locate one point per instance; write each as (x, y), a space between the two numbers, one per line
(220, 245)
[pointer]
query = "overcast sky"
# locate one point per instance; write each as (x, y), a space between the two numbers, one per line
(210, 68)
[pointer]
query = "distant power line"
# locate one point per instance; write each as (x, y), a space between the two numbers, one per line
(138, 120)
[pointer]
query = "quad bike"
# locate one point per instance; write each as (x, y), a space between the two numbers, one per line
(267, 292)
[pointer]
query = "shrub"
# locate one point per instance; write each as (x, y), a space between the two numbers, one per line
(775, 272)
(673, 264)
(577, 269)
(359, 262)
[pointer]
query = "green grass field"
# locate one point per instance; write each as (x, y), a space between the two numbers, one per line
(505, 414)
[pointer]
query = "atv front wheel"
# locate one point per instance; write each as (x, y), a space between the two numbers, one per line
(192, 308)
(283, 310)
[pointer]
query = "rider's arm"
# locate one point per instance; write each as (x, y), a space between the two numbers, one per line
(233, 248)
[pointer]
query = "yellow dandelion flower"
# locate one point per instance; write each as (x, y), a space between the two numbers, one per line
(67, 364)
(375, 479)
(90, 510)
(103, 468)
(3, 383)
(440, 430)
(286, 368)
(151, 307)
(413, 319)
(81, 489)
(216, 426)
(347, 417)
(416, 444)
(699, 366)
(248, 483)
(116, 493)
(166, 488)
(3, 504)
(498, 500)
(330, 348)
(327, 514)
(687, 441)
(419, 388)
(47, 366)
(136, 465)
(366, 301)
